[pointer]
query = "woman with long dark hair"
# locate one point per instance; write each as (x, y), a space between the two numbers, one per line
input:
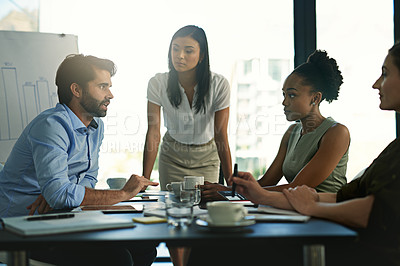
(195, 103)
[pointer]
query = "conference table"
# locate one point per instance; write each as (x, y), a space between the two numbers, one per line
(312, 237)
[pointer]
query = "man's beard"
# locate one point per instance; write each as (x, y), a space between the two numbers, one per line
(92, 106)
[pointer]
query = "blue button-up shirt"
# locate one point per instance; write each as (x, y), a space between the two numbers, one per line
(56, 156)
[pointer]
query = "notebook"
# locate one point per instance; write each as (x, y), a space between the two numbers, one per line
(47, 224)
(273, 210)
(162, 213)
(110, 208)
(267, 213)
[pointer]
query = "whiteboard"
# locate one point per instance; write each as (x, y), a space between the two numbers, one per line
(28, 65)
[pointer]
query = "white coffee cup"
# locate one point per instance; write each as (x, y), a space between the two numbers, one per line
(192, 181)
(116, 182)
(225, 212)
(175, 187)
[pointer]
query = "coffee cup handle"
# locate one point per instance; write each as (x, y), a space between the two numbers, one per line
(244, 213)
(169, 187)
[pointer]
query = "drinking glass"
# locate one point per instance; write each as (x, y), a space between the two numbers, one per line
(191, 192)
(179, 213)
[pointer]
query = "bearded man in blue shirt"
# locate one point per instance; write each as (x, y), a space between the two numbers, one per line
(54, 163)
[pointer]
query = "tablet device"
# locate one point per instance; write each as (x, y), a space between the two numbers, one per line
(142, 199)
(228, 195)
(111, 208)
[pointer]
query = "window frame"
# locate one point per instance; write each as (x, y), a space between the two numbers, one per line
(305, 33)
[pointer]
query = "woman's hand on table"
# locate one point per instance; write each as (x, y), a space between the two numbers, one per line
(210, 191)
(302, 198)
(248, 186)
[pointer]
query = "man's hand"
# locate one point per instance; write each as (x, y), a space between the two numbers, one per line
(210, 191)
(40, 204)
(302, 198)
(135, 184)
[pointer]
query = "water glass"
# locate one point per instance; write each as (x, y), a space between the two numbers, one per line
(179, 213)
(191, 193)
(188, 195)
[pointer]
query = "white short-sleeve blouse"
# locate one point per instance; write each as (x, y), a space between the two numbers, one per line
(183, 123)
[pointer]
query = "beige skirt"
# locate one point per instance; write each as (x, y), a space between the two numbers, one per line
(177, 160)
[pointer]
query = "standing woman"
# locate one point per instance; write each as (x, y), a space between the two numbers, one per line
(195, 105)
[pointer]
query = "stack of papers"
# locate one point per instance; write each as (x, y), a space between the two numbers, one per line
(63, 223)
(162, 213)
(117, 208)
(268, 213)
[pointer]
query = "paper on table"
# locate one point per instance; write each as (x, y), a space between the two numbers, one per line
(259, 217)
(269, 209)
(82, 221)
(122, 207)
(153, 193)
(162, 213)
(267, 213)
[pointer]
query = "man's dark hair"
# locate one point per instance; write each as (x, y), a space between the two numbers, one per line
(79, 69)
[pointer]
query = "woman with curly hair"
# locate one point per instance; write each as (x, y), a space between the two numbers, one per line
(368, 204)
(314, 150)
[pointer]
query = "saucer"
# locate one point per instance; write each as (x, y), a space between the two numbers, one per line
(206, 222)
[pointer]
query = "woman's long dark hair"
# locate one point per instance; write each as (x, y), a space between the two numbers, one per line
(203, 74)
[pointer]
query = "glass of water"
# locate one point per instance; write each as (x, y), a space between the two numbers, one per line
(191, 193)
(179, 214)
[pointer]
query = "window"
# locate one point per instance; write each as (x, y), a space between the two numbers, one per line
(358, 37)
(19, 15)
(255, 53)
(248, 66)
(278, 67)
(136, 36)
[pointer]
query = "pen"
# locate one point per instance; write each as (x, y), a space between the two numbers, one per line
(50, 217)
(235, 173)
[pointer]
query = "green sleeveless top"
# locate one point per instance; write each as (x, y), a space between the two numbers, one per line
(300, 151)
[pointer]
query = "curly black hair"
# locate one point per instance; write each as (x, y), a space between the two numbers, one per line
(321, 73)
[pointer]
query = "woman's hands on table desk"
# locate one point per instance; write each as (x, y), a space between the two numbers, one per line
(210, 191)
(248, 186)
(302, 198)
